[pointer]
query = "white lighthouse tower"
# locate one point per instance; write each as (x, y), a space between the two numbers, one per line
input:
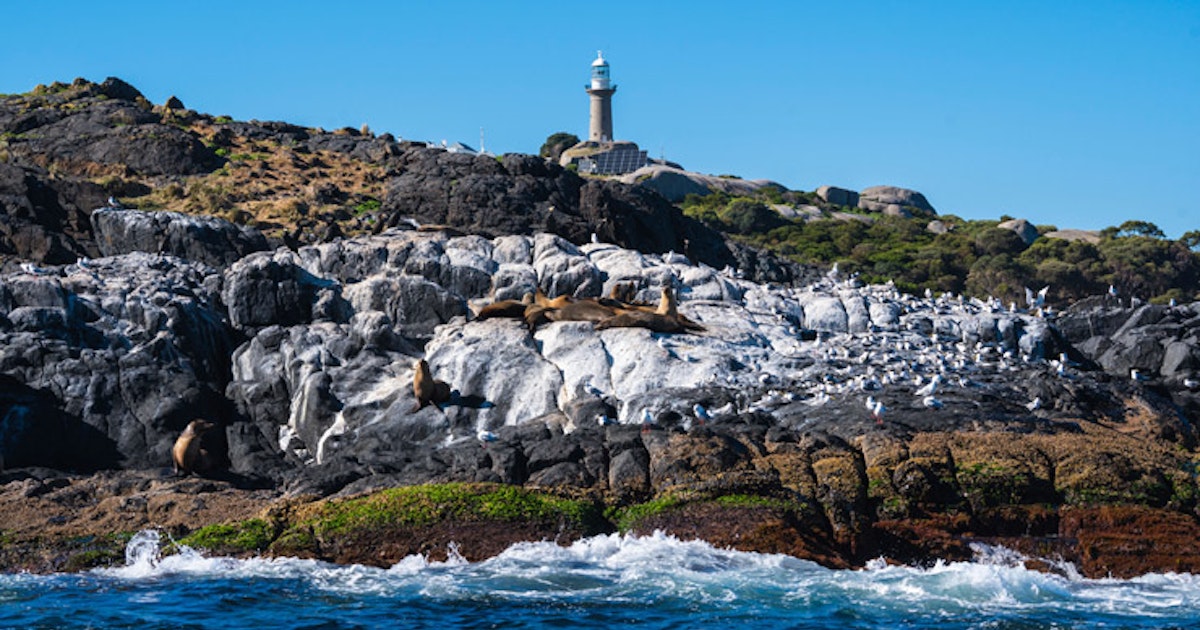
(600, 127)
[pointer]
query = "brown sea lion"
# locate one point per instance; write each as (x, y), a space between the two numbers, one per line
(426, 388)
(541, 300)
(624, 292)
(666, 303)
(581, 311)
(187, 454)
(506, 308)
(665, 319)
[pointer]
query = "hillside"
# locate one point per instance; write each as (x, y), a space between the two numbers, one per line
(66, 148)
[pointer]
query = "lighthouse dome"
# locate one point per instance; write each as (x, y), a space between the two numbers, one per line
(600, 73)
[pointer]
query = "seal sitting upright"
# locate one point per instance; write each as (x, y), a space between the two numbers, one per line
(426, 388)
(187, 454)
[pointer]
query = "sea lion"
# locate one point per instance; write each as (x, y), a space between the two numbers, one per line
(506, 308)
(664, 319)
(666, 303)
(426, 388)
(187, 454)
(581, 311)
(541, 300)
(536, 314)
(624, 292)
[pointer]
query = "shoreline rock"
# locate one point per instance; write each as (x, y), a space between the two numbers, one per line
(835, 421)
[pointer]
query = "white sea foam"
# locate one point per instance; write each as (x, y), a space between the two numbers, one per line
(658, 567)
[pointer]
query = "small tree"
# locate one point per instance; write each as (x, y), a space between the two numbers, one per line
(556, 143)
(1141, 228)
(1191, 239)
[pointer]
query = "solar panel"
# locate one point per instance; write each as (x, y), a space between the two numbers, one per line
(618, 161)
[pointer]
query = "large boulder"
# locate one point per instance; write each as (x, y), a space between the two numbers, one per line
(1022, 228)
(838, 196)
(895, 201)
(204, 239)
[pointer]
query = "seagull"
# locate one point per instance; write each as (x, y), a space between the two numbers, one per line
(701, 413)
(592, 389)
(1135, 375)
(603, 420)
(486, 436)
(931, 402)
(595, 239)
(877, 412)
(1191, 383)
(647, 418)
(1034, 404)
(930, 387)
(113, 203)
(1173, 303)
(1112, 291)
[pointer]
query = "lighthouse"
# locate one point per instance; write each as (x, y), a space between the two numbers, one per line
(600, 128)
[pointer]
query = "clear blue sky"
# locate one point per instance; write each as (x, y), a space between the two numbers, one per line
(1080, 114)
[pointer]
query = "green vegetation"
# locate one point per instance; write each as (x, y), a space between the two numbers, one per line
(428, 504)
(366, 206)
(247, 536)
(975, 258)
(220, 120)
(556, 143)
(628, 517)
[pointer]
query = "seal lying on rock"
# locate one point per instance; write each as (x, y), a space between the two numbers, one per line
(187, 454)
(665, 319)
(426, 388)
(506, 308)
(581, 311)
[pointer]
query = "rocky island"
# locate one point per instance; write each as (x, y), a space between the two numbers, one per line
(281, 283)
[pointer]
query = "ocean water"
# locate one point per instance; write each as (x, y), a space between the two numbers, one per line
(605, 581)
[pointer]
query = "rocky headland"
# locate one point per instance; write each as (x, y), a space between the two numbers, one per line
(811, 415)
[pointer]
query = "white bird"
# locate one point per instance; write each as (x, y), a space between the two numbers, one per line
(701, 413)
(877, 412)
(930, 387)
(1191, 383)
(931, 402)
(1112, 291)
(486, 436)
(1034, 404)
(592, 389)
(871, 404)
(647, 418)
(595, 239)
(1172, 303)
(604, 420)
(113, 203)
(1135, 375)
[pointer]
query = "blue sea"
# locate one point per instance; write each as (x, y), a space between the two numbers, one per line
(605, 581)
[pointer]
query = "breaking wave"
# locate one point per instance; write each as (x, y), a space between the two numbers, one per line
(653, 581)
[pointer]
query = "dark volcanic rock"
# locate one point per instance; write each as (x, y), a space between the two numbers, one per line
(521, 194)
(45, 220)
(116, 357)
(204, 239)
